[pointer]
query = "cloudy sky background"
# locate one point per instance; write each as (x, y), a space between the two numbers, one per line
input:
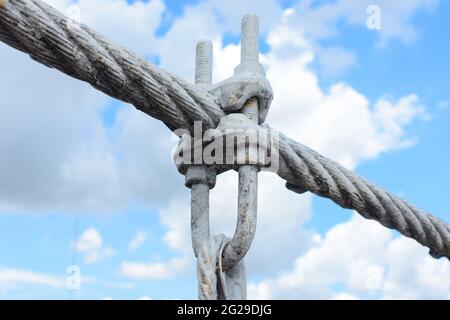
(86, 180)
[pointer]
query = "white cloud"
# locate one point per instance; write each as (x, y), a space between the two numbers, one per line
(209, 19)
(341, 122)
(57, 152)
(396, 17)
(412, 274)
(138, 239)
(48, 122)
(344, 296)
(334, 61)
(443, 104)
(90, 243)
(280, 215)
(133, 24)
(119, 285)
(158, 271)
(12, 278)
(321, 22)
(176, 217)
(364, 258)
(278, 221)
(182, 38)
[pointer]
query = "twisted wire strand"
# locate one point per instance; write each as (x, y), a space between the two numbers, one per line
(50, 38)
(313, 172)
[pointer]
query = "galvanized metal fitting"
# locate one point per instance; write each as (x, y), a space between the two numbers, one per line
(238, 140)
(197, 173)
(249, 79)
(200, 174)
(249, 92)
(203, 64)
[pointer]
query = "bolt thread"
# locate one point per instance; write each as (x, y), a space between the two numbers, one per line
(250, 109)
(249, 38)
(203, 63)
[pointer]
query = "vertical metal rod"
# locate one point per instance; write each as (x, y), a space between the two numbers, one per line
(200, 232)
(250, 38)
(200, 191)
(248, 174)
(203, 63)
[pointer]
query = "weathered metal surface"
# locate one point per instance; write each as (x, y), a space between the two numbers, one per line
(248, 174)
(247, 204)
(220, 266)
(201, 178)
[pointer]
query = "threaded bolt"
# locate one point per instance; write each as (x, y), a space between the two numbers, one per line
(203, 63)
(250, 38)
(250, 109)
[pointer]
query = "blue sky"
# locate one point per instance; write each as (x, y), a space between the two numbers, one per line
(419, 174)
(40, 236)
